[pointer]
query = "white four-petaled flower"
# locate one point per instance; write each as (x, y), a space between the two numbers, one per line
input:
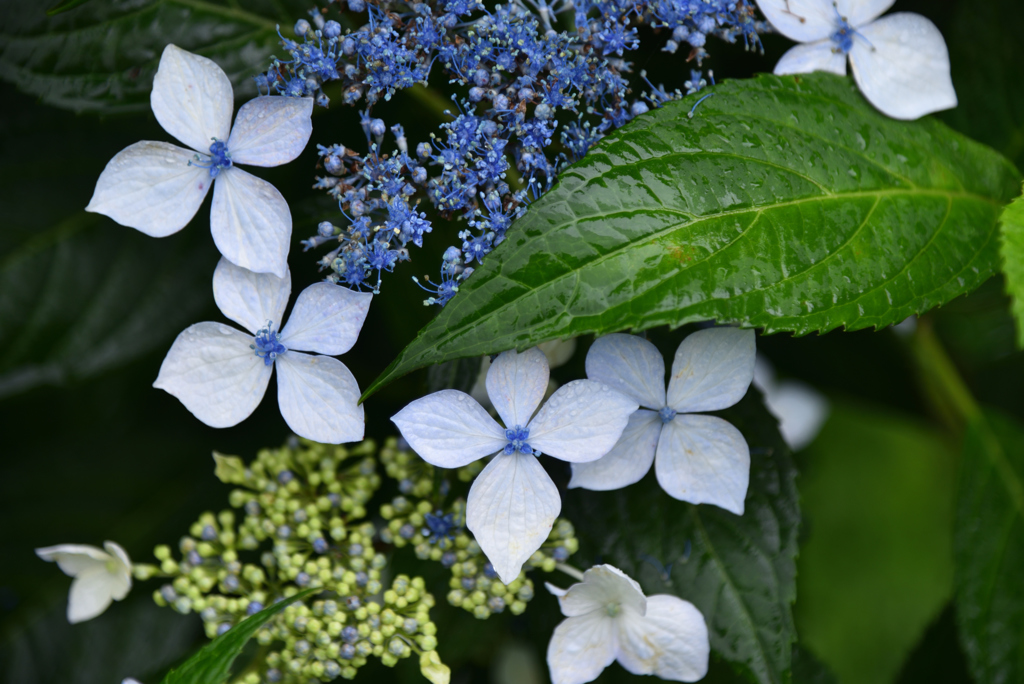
(100, 576)
(900, 62)
(156, 187)
(220, 374)
(608, 618)
(700, 459)
(513, 503)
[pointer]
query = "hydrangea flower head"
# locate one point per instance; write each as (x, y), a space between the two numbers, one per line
(608, 618)
(100, 576)
(900, 61)
(513, 503)
(220, 373)
(700, 459)
(156, 187)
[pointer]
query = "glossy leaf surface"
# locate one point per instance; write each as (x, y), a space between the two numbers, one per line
(989, 550)
(740, 571)
(212, 663)
(1012, 250)
(784, 203)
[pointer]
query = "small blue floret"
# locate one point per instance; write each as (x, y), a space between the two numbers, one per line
(667, 414)
(517, 437)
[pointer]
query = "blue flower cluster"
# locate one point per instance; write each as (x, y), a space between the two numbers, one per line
(534, 99)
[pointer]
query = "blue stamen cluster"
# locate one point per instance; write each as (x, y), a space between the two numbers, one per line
(266, 345)
(517, 437)
(219, 159)
(540, 83)
(667, 414)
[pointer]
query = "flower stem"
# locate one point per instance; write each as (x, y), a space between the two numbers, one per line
(569, 570)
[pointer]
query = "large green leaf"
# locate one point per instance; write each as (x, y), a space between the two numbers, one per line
(740, 571)
(877, 565)
(212, 663)
(989, 550)
(784, 203)
(1012, 248)
(102, 55)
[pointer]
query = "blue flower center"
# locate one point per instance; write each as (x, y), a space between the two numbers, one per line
(220, 158)
(667, 414)
(266, 345)
(517, 437)
(439, 526)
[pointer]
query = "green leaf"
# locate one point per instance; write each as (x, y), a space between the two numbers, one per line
(989, 549)
(740, 571)
(103, 55)
(1012, 250)
(785, 203)
(876, 567)
(65, 6)
(212, 663)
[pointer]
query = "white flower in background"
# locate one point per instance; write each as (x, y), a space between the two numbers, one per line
(608, 618)
(513, 503)
(900, 62)
(100, 576)
(700, 459)
(558, 353)
(156, 187)
(800, 408)
(220, 374)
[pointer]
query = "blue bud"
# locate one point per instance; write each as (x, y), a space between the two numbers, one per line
(285, 476)
(301, 648)
(468, 583)
(284, 531)
(253, 608)
(347, 652)
(300, 515)
(274, 675)
(302, 579)
(252, 508)
(489, 572)
(423, 151)
(231, 583)
(353, 603)
(223, 627)
(302, 27)
(638, 108)
(560, 554)
(361, 579)
(332, 29)
(350, 635)
(357, 5)
(320, 545)
(378, 128)
(324, 229)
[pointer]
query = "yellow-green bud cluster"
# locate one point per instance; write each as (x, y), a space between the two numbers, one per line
(304, 526)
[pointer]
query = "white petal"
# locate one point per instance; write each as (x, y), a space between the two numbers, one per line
(581, 648)
(75, 559)
(510, 510)
(712, 369)
(860, 12)
(801, 411)
(192, 98)
(627, 462)
(123, 570)
(807, 57)
(670, 641)
(449, 429)
(801, 20)
(558, 352)
(703, 459)
(271, 130)
(516, 384)
(250, 222)
(764, 374)
(216, 375)
(150, 186)
(603, 585)
(250, 299)
(91, 593)
(631, 365)
(555, 591)
(319, 398)
(901, 64)
(581, 421)
(326, 319)
(479, 389)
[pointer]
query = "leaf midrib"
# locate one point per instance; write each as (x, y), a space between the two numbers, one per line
(877, 194)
